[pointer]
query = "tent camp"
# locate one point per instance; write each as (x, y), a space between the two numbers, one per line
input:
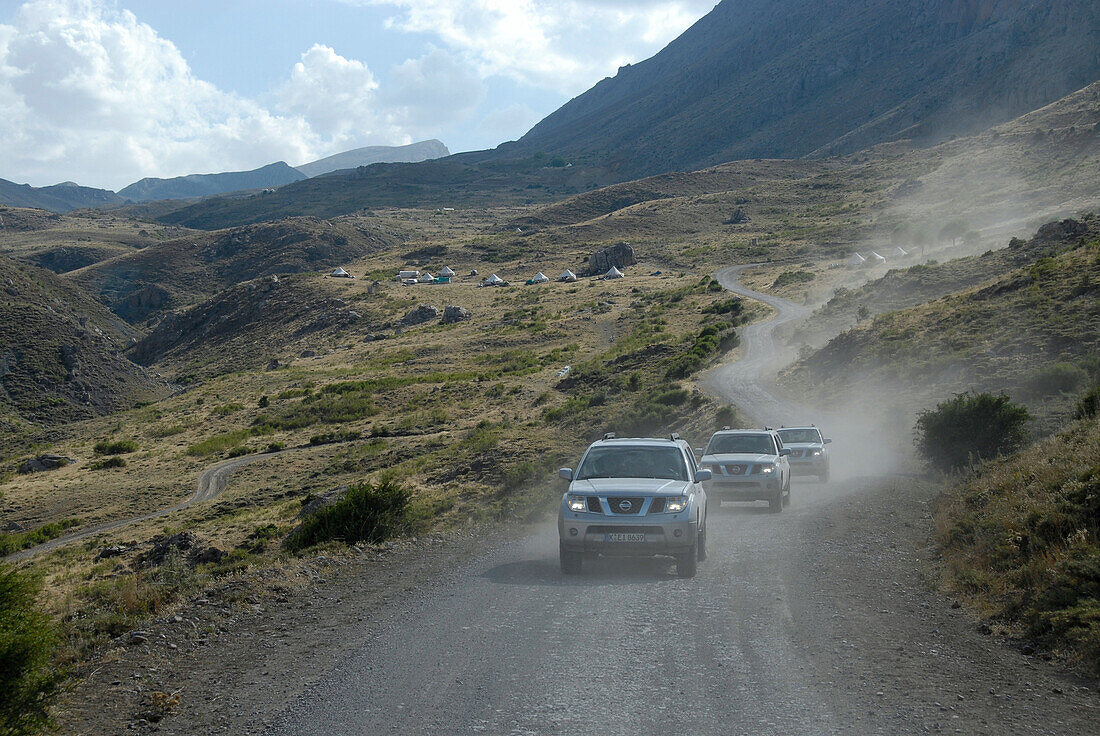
(404, 275)
(340, 273)
(447, 272)
(613, 273)
(899, 252)
(856, 260)
(493, 280)
(427, 278)
(567, 276)
(538, 278)
(874, 259)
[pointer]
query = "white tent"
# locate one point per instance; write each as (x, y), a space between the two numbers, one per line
(875, 259)
(427, 278)
(856, 260)
(340, 273)
(539, 278)
(567, 276)
(407, 274)
(614, 273)
(899, 252)
(447, 272)
(493, 280)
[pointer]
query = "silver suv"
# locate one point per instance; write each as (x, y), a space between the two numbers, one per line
(809, 455)
(748, 465)
(634, 497)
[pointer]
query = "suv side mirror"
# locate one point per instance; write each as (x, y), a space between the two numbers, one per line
(702, 475)
(785, 451)
(699, 451)
(566, 474)
(828, 440)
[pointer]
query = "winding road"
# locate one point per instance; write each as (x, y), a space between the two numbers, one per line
(211, 483)
(814, 621)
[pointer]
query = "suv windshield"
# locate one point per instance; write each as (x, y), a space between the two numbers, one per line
(633, 462)
(757, 444)
(799, 435)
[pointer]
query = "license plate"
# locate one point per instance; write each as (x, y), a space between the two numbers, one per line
(625, 537)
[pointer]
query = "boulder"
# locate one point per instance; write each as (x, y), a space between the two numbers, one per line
(45, 462)
(452, 314)
(619, 255)
(420, 315)
(163, 546)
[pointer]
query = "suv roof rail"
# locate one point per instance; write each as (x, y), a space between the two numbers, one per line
(609, 436)
(725, 428)
(675, 436)
(767, 428)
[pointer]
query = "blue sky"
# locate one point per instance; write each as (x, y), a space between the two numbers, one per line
(105, 92)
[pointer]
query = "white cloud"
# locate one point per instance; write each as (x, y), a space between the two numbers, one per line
(90, 93)
(565, 45)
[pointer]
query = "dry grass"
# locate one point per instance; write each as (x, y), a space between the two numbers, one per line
(1021, 542)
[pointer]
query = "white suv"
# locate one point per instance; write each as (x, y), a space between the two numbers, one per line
(634, 497)
(809, 455)
(748, 465)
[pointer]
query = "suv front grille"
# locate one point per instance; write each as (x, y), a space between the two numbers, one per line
(625, 505)
(594, 505)
(736, 469)
(657, 506)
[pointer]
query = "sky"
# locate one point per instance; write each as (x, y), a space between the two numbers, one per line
(106, 92)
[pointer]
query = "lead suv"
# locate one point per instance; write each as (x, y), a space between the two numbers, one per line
(634, 497)
(748, 465)
(809, 455)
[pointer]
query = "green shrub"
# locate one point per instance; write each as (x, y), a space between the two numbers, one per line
(366, 513)
(15, 541)
(726, 416)
(1089, 404)
(1056, 378)
(969, 428)
(226, 409)
(29, 681)
(108, 463)
(329, 438)
(792, 277)
(115, 448)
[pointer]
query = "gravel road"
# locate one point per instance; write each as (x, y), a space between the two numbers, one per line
(814, 621)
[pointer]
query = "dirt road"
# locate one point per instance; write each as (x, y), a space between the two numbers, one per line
(818, 620)
(210, 484)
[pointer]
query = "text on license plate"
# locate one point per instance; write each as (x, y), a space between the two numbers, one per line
(625, 537)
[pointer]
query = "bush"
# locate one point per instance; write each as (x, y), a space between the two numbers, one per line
(108, 463)
(28, 680)
(366, 513)
(792, 277)
(15, 541)
(1089, 404)
(115, 448)
(1056, 378)
(969, 428)
(726, 416)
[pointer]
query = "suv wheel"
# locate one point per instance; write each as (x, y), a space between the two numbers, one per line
(701, 543)
(775, 503)
(824, 477)
(570, 561)
(688, 564)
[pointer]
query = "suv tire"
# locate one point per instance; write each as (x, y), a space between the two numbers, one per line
(775, 503)
(701, 544)
(570, 561)
(688, 564)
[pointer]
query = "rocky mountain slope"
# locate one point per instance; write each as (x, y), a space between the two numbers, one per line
(248, 324)
(61, 350)
(412, 153)
(204, 185)
(57, 198)
(791, 78)
(183, 271)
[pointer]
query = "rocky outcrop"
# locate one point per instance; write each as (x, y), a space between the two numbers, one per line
(420, 315)
(452, 314)
(45, 462)
(619, 256)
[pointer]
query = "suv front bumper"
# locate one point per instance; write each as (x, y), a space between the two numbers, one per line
(744, 488)
(635, 537)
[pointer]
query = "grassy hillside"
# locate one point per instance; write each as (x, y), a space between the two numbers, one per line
(61, 351)
(1033, 332)
(185, 270)
(1020, 543)
(901, 288)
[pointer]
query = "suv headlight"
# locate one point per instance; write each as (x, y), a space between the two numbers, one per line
(767, 469)
(578, 503)
(676, 504)
(817, 453)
